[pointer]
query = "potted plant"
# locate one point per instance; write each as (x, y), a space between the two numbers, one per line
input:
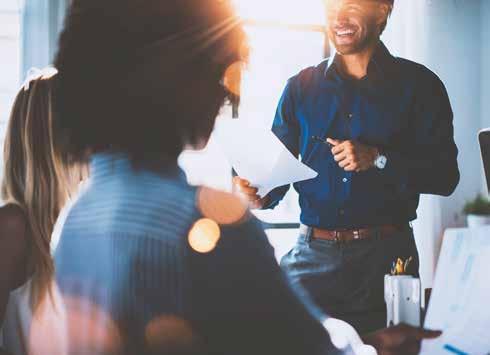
(477, 212)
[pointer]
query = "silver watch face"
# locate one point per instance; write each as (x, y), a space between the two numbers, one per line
(381, 162)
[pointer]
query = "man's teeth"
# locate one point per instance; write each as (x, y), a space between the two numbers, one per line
(345, 32)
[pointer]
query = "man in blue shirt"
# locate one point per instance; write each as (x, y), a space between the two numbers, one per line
(378, 130)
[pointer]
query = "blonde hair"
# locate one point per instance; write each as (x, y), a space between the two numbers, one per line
(37, 177)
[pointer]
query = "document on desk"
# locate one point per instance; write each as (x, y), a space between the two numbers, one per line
(259, 156)
(459, 304)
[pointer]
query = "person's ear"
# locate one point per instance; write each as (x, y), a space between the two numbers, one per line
(382, 14)
(384, 11)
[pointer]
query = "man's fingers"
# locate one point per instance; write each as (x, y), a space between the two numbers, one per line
(256, 204)
(334, 142)
(421, 334)
(345, 163)
(259, 203)
(243, 187)
(248, 190)
(240, 182)
(350, 167)
(338, 149)
(341, 156)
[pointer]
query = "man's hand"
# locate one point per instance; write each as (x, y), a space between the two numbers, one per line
(352, 155)
(244, 189)
(402, 339)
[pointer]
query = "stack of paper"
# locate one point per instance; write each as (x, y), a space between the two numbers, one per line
(459, 304)
(258, 155)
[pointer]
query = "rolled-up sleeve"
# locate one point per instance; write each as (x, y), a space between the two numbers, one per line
(430, 165)
(286, 128)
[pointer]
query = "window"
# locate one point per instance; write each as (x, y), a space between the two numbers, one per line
(9, 63)
(10, 58)
(285, 36)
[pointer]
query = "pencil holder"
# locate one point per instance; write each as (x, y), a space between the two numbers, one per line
(402, 297)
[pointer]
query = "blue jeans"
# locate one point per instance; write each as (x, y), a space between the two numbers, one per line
(346, 280)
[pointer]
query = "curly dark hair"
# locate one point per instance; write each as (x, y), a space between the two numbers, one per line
(144, 77)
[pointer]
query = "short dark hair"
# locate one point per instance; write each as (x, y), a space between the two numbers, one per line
(143, 77)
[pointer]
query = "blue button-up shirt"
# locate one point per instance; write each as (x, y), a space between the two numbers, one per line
(400, 107)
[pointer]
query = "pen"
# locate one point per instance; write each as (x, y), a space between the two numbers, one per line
(407, 264)
(400, 267)
(321, 140)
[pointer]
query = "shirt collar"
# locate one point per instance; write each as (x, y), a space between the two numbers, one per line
(382, 60)
(106, 165)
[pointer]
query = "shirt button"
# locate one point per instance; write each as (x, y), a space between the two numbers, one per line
(344, 180)
(342, 212)
(350, 115)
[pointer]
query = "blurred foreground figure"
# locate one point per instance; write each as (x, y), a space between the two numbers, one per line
(146, 263)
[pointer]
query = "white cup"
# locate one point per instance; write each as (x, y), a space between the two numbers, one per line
(402, 297)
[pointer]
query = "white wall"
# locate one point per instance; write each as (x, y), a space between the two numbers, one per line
(456, 57)
(41, 22)
(9, 58)
(445, 35)
(460, 54)
(485, 65)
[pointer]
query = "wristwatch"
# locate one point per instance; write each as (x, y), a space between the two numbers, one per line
(380, 161)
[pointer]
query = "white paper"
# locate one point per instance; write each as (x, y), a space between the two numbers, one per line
(459, 304)
(259, 156)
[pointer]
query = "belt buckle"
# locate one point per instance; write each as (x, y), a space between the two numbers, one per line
(337, 237)
(357, 234)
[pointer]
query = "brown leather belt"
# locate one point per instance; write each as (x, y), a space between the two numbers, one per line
(349, 235)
